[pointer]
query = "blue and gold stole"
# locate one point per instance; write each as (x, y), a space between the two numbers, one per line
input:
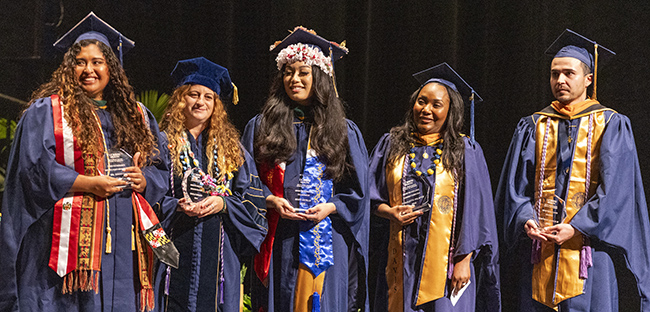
(557, 269)
(435, 263)
(316, 252)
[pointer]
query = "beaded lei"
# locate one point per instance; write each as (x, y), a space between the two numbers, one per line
(217, 185)
(432, 168)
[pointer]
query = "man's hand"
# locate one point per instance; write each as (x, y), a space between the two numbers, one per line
(559, 233)
(533, 231)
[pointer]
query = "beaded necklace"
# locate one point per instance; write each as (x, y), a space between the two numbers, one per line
(436, 159)
(189, 161)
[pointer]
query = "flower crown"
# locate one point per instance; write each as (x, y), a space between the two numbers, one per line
(301, 52)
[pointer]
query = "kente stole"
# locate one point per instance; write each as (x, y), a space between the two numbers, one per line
(79, 218)
(433, 277)
(549, 286)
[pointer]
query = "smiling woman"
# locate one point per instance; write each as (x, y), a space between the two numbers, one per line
(303, 145)
(200, 142)
(431, 189)
(92, 71)
(71, 237)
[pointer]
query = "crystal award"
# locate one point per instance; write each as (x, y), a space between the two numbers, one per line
(193, 185)
(115, 162)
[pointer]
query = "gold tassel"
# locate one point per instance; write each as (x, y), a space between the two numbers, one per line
(109, 241)
(593, 95)
(235, 94)
(109, 238)
(132, 238)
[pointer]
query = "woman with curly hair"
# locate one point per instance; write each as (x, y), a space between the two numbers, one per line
(76, 228)
(434, 230)
(217, 228)
(313, 162)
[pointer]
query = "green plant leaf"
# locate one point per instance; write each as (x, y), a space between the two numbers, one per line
(156, 104)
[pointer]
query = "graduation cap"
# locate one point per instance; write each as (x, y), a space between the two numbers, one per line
(306, 36)
(204, 72)
(572, 44)
(93, 27)
(444, 74)
(305, 45)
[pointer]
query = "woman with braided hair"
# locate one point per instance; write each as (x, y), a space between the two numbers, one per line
(78, 233)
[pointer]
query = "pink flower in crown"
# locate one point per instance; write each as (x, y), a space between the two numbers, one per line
(305, 53)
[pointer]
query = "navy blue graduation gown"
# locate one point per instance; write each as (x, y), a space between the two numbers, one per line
(475, 232)
(345, 283)
(615, 218)
(35, 182)
(194, 285)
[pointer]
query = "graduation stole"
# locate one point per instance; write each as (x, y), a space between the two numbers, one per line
(273, 178)
(436, 267)
(315, 246)
(549, 286)
(79, 217)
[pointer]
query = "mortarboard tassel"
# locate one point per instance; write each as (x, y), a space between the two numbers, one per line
(593, 95)
(119, 48)
(235, 94)
(333, 75)
(471, 116)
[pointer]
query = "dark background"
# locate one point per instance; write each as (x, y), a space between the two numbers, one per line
(497, 46)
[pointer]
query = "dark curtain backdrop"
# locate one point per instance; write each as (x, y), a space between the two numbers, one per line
(497, 46)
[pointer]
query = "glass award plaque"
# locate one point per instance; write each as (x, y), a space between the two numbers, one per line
(299, 195)
(115, 162)
(416, 191)
(193, 185)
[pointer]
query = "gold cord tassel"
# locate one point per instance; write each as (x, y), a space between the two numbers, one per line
(109, 241)
(132, 237)
(593, 96)
(235, 94)
(109, 238)
(333, 75)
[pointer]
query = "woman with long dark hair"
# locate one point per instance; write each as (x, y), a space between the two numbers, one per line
(313, 163)
(216, 228)
(434, 229)
(77, 230)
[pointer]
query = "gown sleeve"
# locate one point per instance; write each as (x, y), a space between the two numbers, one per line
(378, 190)
(515, 193)
(34, 183)
(157, 171)
(246, 209)
(167, 204)
(478, 231)
(351, 193)
(247, 140)
(617, 213)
